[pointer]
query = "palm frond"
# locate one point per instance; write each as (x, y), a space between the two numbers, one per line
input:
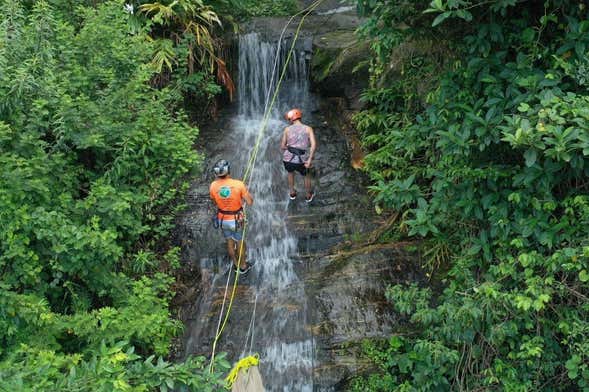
(164, 55)
(159, 13)
(224, 77)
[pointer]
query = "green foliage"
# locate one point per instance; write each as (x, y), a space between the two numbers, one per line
(191, 19)
(245, 9)
(92, 160)
(489, 164)
(108, 368)
(185, 48)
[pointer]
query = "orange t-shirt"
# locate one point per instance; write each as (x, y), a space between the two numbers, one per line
(228, 195)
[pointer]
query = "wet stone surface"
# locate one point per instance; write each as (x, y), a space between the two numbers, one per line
(314, 293)
(345, 291)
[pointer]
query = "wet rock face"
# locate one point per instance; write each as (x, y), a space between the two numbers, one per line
(347, 294)
(314, 25)
(339, 66)
(342, 273)
(329, 6)
(344, 283)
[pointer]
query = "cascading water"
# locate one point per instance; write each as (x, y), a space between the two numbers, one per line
(278, 331)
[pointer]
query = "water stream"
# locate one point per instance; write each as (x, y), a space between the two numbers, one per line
(274, 287)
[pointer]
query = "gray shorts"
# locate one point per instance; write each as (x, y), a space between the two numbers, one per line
(230, 229)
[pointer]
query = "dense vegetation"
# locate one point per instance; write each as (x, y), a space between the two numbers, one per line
(92, 159)
(478, 130)
(97, 105)
(477, 126)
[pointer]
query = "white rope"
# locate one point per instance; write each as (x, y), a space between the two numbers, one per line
(250, 328)
(275, 66)
(253, 325)
(222, 309)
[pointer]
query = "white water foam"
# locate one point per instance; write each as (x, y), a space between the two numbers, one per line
(281, 338)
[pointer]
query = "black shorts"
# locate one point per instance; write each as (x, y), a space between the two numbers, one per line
(300, 167)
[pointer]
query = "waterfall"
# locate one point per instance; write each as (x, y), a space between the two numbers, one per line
(280, 327)
(285, 351)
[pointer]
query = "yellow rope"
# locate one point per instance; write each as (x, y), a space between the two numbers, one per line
(245, 363)
(251, 163)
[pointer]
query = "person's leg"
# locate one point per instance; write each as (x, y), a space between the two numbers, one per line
(288, 166)
(308, 183)
(241, 253)
(291, 183)
(231, 250)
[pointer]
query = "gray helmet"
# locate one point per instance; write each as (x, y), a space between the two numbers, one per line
(221, 168)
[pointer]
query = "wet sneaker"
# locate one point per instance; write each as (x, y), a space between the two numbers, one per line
(310, 196)
(248, 267)
(292, 195)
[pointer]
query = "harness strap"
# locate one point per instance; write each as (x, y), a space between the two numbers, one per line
(298, 152)
(225, 212)
(237, 214)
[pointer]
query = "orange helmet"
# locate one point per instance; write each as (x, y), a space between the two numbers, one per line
(294, 114)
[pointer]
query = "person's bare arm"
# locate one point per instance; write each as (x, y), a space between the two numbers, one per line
(211, 194)
(213, 206)
(283, 141)
(247, 197)
(313, 147)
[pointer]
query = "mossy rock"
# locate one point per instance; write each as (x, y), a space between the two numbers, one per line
(339, 67)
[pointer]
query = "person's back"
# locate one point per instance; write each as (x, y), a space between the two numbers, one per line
(227, 194)
(297, 138)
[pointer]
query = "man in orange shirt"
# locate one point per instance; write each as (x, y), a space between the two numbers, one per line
(228, 195)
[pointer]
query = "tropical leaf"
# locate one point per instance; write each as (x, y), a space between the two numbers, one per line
(164, 55)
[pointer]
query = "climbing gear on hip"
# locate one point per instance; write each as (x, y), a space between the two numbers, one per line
(238, 217)
(296, 152)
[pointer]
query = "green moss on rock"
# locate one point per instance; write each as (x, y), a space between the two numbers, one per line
(339, 66)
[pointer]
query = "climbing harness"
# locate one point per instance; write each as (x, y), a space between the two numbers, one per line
(238, 216)
(248, 362)
(297, 137)
(296, 152)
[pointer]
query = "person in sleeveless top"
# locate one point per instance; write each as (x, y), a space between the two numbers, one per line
(298, 145)
(228, 195)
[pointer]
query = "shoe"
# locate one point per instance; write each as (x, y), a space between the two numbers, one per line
(310, 196)
(292, 195)
(248, 267)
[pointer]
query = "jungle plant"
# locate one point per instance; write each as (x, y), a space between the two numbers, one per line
(191, 23)
(490, 165)
(92, 160)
